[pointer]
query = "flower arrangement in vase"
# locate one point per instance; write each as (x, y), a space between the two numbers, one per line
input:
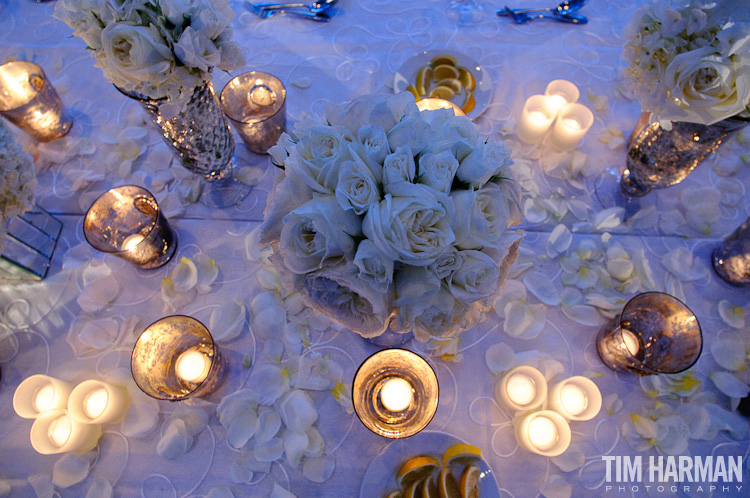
(19, 181)
(383, 216)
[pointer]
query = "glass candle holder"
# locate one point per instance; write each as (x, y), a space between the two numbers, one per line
(57, 432)
(536, 118)
(432, 104)
(523, 388)
(573, 121)
(126, 222)
(731, 259)
(39, 394)
(395, 393)
(561, 92)
(655, 333)
(29, 101)
(95, 402)
(544, 432)
(255, 104)
(175, 358)
(576, 398)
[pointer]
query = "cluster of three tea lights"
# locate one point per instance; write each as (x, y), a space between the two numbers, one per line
(558, 105)
(68, 419)
(544, 429)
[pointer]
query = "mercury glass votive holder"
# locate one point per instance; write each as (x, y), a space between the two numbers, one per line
(655, 333)
(731, 259)
(395, 393)
(255, 104)
(29, 101)
(126, 222)
(176, 358)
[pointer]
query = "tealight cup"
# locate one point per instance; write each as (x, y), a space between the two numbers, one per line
(536, 118)
(39, 394)
(560, 93)
(544, 432)
(96, 402)
(576, 398)
(523, 388)
(57, 432)
(572, 123)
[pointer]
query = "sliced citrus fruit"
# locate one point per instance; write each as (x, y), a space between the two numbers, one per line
(424, 77)
(444, 71)
(429, 487)
(467, 486)
(395, 494)
(469, 103)
(414, 92)
(412, 490)
(443, 59)
(467, 79)
(461, 453)
(442, 92)
(447, 486)
(415, 469)
(451, 83)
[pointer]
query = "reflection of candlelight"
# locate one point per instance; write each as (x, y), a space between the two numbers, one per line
(434, 104)
(96, 402)
(396, 394)
(573, 121)
(192, 366)
(573, 399)
(521, 389)
(43, 398)
(132, 241)
(39, 394)
(557, 102)
(561, 92)
(536, 118)
(59, 430)
(543, 433)
(630, 342)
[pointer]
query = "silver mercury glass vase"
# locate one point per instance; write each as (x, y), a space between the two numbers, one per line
(731, 259)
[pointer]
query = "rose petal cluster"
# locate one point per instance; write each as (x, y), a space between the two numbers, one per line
(385, 216)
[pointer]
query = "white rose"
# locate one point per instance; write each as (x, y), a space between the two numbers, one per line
(411, 131)
(211, 19)
(195, 50)
(317, 234)
(412, 226)
(706, 87)
(374, 266)
(445, 318)
(118, 10)
(357, 187)
(485, 161)
(438, 170)
(280, 151)
(457, 128)
(476, 278)
(372, 110)
(375, 142)
(447, 263)
(481, 216)
(398, 167)
(287, 194)
(735, 39)
(415, 287)
(134, 54)
(511, 194)
(79, 15)
(177, 10)
(317, 149)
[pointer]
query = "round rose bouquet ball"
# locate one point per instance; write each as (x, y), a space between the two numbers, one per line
(383, 216)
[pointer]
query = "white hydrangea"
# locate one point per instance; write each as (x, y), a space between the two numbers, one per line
(18, 181)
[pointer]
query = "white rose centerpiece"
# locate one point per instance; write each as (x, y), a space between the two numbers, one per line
(382, 216)
(19, 180)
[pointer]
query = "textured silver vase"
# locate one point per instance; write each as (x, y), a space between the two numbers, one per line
(659, 158)
(731, 259)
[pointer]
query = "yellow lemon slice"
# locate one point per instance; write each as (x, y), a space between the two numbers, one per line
(467, 79)
(412, 490)
(424, 77)
(447, 486)
(461, 453)
(467, 486)
(395, 494)
(442, 92)
(415, 469)
(444, 71)
(451, 83)
(443, 59)
(469, 103)
(429, 487)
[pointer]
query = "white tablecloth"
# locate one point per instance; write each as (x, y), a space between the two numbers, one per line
(356, 54)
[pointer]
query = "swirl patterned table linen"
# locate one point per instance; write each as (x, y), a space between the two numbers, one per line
(81, 322)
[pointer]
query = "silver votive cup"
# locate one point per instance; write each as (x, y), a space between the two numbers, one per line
(127, 222)
(731, 259)
(255, 104)
(176, 358)
(29, 101)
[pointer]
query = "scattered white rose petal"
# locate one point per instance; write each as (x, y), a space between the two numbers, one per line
(303, 82)
(250, 175)
(570, 460)
(241, 429)
(220, 492)
(279, 492)
(207, 272)
(500, 357)
(175, 441)
(295, 446)
(612, 404)
(315, 443)
(269, 423)
(99, 334)
(318, 469)
(239, 474)
(556, 487)
(680, 263)
(100, 488)
(733, 315)
(728, 355)
(194, 418)
(269, 321)
(70, 469)
(42, 485)
(542, 287)
(227, 321)
(583, 314)
(269, 383)
(263, 301)
(559, 240)
(273, 349)
(184, 276)
(98, 294)
(644, 426)
(645, 218)
(730, 385)
(269, 451)
(140, 419)
(620, 268)
(298, 411)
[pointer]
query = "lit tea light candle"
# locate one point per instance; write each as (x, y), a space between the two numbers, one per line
(192, 366)
(560, 93)
(96, 402)
(544, 432)
(630, 342)
(522, 388)
(396, 394)
(536, 118)
(38, 394)
(433, 104)
(132, 241)
(30, 102)
(573, 121)
(576, 398)
(57, 432)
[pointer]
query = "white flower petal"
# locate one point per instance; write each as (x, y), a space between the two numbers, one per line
(99, 334)
(220, 492)
(207, 272)
(583, 314)
(250, 175)
(269, 321)
(268, 383)
(645, 218)
(730, 385)
(227, 321)
(620, 268)
(500, 357)
(697, 419)
(612, 404)
(98, 294)
(315, 443)
(556, 487)
(279, 492)
(175, 441)
(184, 276)
(273, 349)
(295, 446)
(70, 469)
(570, 460)
(298, 411)
(728, 355)
(140, 419)
(239, 474)
(269, 423)
(542, 287)
(559, 240)
(194, 418)
(94, 271)
(318, 469)
(732, 315)
(270, 451)
(609, 218)
(263, 301)
(241, 429)
(680, 263)
(644, 426)
(42, 485)
(100, 488)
